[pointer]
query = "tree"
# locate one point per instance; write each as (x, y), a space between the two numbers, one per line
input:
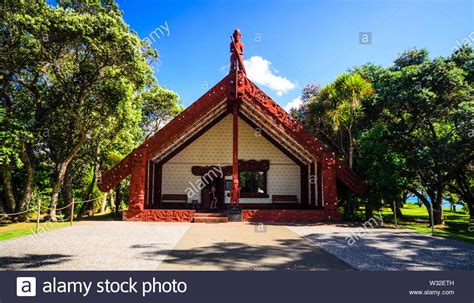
(346, 95)
(96, 63)
(75, 81)
(413, 135)
(160, 106)
(342, 101)
(20, 100)
(428, 122)
(383, 171)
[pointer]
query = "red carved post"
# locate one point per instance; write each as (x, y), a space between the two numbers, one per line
(237, 82)
(138, 180)
(235, 191)
(329, 184)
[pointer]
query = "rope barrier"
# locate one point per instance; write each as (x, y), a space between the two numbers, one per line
(87, 201)
(39, 207)
(15, 214)
(45, 208)
(63, 207)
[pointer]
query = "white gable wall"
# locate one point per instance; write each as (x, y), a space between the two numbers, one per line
(215, 148)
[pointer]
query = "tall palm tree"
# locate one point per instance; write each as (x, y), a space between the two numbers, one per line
(345, 96)
(343, 101)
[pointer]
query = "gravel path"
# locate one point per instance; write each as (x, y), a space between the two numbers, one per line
(93, 246)
(389, 249)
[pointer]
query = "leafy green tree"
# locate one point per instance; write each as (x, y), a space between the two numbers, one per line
(414, 134)
(340, 108)
(344, 98)
(383, 171)
(159, 107)
(20, 79)
(76, 84)
(428, 122)
(96, 64)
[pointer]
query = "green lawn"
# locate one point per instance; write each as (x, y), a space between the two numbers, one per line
(15, 230)
(416, 218)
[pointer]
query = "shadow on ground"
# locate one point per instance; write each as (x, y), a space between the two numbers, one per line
(397, 251)
(32, 261)
(285, 255)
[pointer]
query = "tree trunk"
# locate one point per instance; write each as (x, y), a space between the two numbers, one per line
(104, 203)
(463, 187)
(470, 204)
(423, 199)
(27, 158)
(10, 204)
(471, 212)
(438, 217)
(351, 150)
(369, 212)
(399, 204)
(67, 191)
(61, 172)
(349, 196)
(87, 208)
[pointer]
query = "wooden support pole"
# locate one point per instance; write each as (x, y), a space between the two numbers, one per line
(432, 219)
(38, 214)
(395, 212)
(72, 212)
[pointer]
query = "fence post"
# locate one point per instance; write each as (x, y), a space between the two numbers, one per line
(38, 216)
(432, 220)
(72, 212)
(395, 212)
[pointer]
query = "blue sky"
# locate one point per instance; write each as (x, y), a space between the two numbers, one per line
(289, 44)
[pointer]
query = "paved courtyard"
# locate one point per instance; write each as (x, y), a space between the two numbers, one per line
(230, 246)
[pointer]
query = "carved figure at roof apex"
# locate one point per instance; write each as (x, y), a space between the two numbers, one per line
(237, 52)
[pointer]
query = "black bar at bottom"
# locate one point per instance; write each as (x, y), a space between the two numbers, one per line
(268, 286)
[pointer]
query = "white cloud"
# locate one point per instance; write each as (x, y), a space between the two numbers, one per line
(260, 72)
(295, 103)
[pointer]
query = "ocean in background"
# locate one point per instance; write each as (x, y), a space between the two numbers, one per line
(446, 204)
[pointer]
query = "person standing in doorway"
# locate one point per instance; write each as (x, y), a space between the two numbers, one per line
(213, 197)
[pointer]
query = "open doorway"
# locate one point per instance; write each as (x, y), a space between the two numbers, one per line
(206, 195)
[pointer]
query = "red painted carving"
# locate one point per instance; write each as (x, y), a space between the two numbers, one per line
(328, 175)
(160, 215)
(112, 178)
(289, 215)
(205, 170)
(235, 190)
(237, 52)
(138, 179)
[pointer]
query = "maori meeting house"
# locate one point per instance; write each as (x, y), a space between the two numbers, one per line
(233, 155)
